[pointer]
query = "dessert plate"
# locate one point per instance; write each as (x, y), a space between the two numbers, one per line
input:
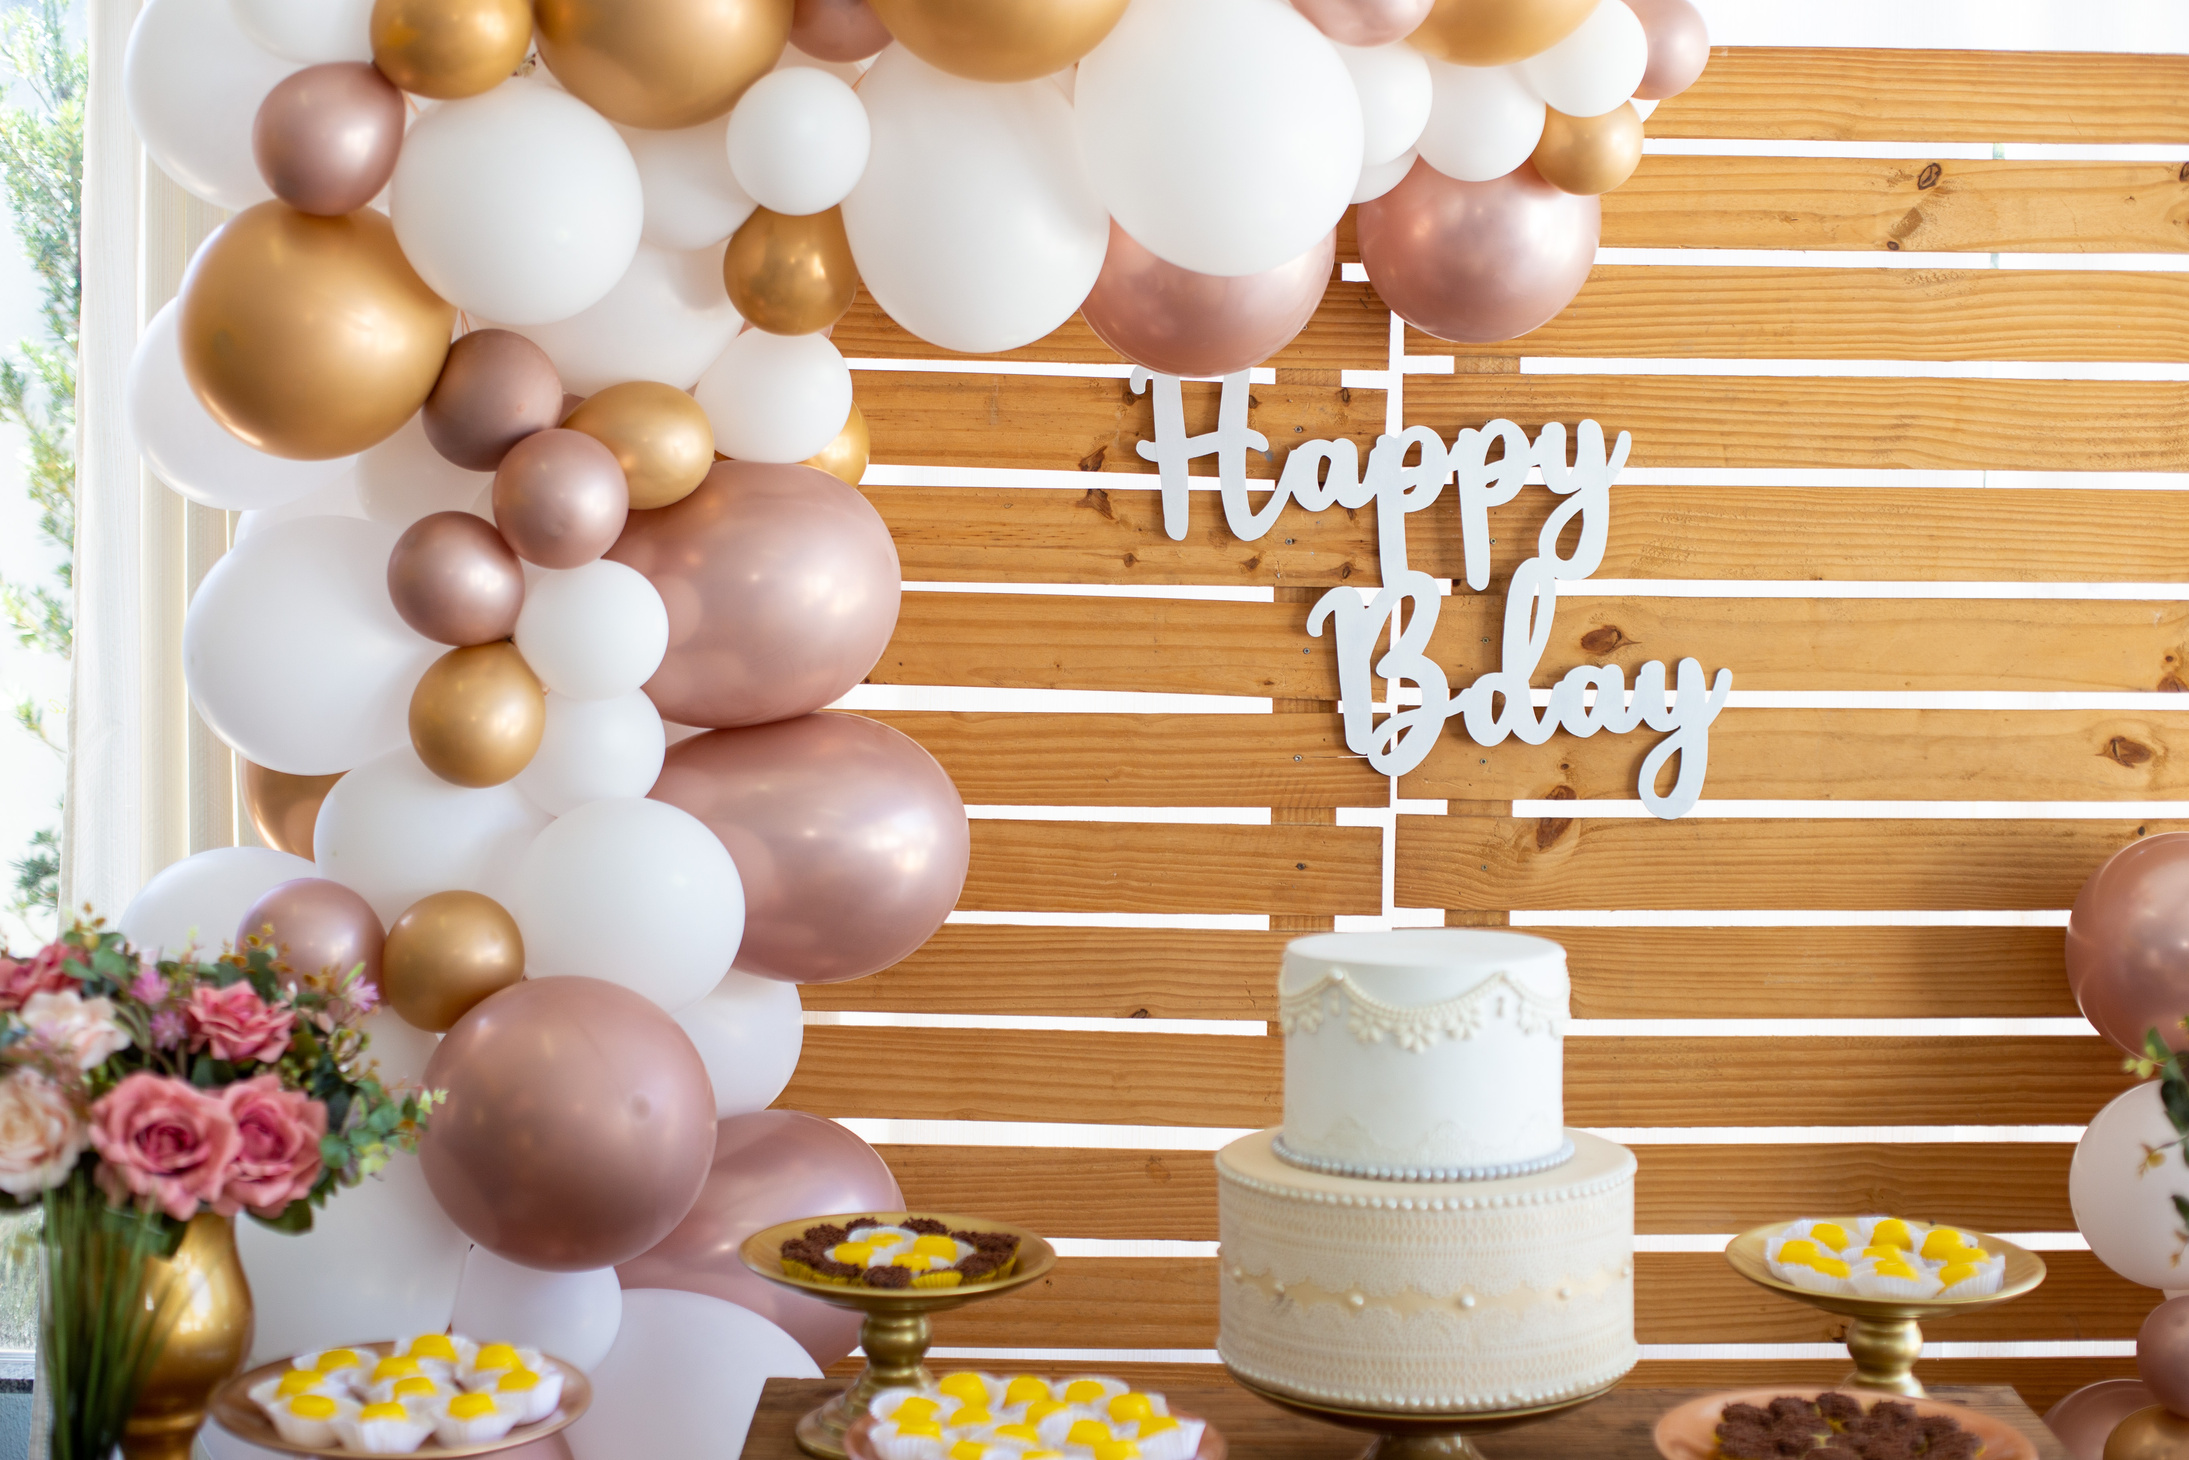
(859, 1446)
(233, 1408)
(1690, 1431)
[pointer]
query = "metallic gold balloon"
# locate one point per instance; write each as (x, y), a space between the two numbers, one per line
(1000, 40)
(661, 63)
(659, 434)
(477, 715)
(446, 953)
(283, 807)
(845, 457)
(1589, 155)
(1497, 32)
(450, 48)
(2156, 1433)
(791, 276)
(310, 337)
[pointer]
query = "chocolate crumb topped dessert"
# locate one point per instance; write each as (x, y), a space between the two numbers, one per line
(1836, 1427)
(919, 1252)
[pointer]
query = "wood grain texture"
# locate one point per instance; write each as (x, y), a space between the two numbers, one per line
(1066, 866)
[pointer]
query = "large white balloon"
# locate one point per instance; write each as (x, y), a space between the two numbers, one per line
(336, 499)
(2123, 1207)
(1384, 176)
(393, 832)
(974, 226)
(293, 653)
(798, 140)
(308, 31)
(198, 901)
(633, 891)
(749, 1031)
(571, 1315)
(1393, 85)
(594, 749)
(777, 398)
(683, 1379)
(1483, 121)
(1223, 135)
(666, 319)
(520, 205)
(692, 197)
(193, 82)
(593, 633)
(403, 479)
(1595, 68)
(401, 1049)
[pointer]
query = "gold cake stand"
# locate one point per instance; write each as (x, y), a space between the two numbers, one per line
(896, 1331)
(1407, 1435)
(1885, 1335)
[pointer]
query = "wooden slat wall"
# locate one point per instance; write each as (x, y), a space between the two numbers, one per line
(1904, 911)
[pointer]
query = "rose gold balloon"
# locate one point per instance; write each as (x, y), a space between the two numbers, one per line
(446, 954)
(1497, 32)
(1364, 22)
(2156, 1433)
(1478, 261)
(999, 40)
(453, 579)
(2162, 1353)
(851, 841)
(2128, 942)
(496, 389)
(285, 808)
(450, 48)
(2083, 1419)
(560, 498)
(318, 927)
(1679, 46)
(477, 715)
(791, 275)
(845, 458)
(837, 30)
(661, 63)
(660, 437)
(770, 1166)
(1589, 155)
(782, 589)
(1177, 322)
(579, 1126)
(325, 138)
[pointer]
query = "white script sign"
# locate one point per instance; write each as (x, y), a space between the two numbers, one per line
(1322, 474)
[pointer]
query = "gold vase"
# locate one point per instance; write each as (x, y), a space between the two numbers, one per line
(209, 1339)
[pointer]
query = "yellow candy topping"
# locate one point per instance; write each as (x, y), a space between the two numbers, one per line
(1882, 1250)
(1025, 1389)
(496, 1356)
(395, 1366)
(1831, 1234)
(1893, 1267)
(1892, 1232)
(1041, 1409)
(1083, 1391)
(1831, 1267)
(1020, 1432)
(1958, 1272)
(965, 1386)
(1087, 1432)
(312, 1406)
(918, 1262)
(415, 1384)
(1043, 1455)
(383, 1411)
(433, 1346)
(1116, 1450)
(1800, 1252)
(518, 1381)
(1940, 1241)
(919, 1406)
(1155, 1424)
(930, 1428)
(934, 1244)
(471, 1406)
(300, 1381)
(337, 1358)
(1130, 1406)
(968, 1450)
(972, 1414)
(855, 1253)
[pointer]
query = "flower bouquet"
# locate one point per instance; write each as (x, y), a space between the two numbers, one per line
(137, 1094)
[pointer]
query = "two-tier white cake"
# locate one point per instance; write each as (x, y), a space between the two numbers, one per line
(1423, 1233)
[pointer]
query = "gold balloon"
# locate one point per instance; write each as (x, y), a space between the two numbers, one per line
(450, 48)
(999, 40)
(2156, 1433)
(285, 808)
(791, 275)
(1589, 154)
(477, 715)
(310, 337)
(845, 457)
(1497, 32)
(661, 63)
(446, 953)
(659, 434)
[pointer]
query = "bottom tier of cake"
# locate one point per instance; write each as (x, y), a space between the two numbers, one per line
(1430, 1297)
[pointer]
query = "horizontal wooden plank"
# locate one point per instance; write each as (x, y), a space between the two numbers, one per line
(1618, 973)
(1075, 866)
(1236, 1081)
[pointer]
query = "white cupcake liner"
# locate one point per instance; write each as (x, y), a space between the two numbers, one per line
(1869, 1283)
(383, 1437)
(1990, 1276)
(478, 1430)
(295, 1429)
(892, 1446)
(1181, 1443)
(538, 1402)
(1866, 1227)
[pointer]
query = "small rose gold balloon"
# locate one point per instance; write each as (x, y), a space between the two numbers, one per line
(1679, 46)
(840, 30)
(326, 138)
(454, 579)
(560, 498)
(446, 953)
(317, 927)
(496, 389)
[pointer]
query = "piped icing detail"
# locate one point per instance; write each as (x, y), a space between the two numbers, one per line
(1500, 998)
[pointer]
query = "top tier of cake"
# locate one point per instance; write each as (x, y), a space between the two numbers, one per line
(1424, 1054)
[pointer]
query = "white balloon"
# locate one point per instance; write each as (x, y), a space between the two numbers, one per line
(974, 226)
(308, 31)
(400, 1049)
(293, 652)
(403, 479)
(692, 197)
(336, 499)
(192, 452)
(198, 901)
(193, 82)
(666, 319)
(798, 140)
(520, 205)
(633, 891)
(594, 749)
(393, 832)
(2124, 1209)
(381, 1259)
(777, 397)
(1483, 122)
(1392, 82)
(1380, 178)
(749, 1031)
(1597, 67)
(1223, 135)
(572, 1316)
(593, 633)
(683, 1379)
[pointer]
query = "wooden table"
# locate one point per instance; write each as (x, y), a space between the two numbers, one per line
(1616, 1426)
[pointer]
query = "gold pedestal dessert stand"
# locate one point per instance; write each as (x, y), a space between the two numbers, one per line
(1885, 1335)
(1409, 1435)
(896, 1332)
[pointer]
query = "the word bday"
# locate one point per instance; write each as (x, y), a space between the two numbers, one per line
(1403, 613)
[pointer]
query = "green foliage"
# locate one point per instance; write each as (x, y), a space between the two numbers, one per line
(38, 875)
(102, 1331)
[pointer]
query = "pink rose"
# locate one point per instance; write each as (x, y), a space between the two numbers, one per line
(237, 1023)
(165, 1142)
(279, 1159)
(44, 973)
(41, 1134)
